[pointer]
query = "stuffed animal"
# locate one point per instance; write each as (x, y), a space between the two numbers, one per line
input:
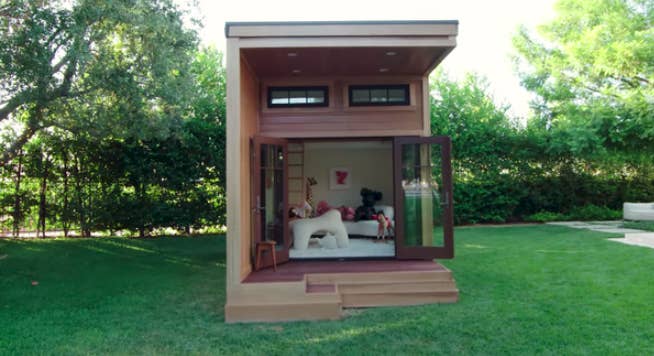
(302, 211)
(383, 227)
(347, 213)
(322, 207)
(311, 181)
(369, 198)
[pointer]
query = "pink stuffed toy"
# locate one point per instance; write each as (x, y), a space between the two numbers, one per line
(347, 213)
(322, 207)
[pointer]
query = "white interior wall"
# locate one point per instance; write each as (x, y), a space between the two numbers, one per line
(370, 164)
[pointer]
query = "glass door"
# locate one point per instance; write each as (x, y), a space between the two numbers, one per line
(270, 196)
(423, 197)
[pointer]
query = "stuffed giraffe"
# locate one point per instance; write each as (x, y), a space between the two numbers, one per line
(311, 181)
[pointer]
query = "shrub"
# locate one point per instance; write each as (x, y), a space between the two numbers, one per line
(545, 216)
(593, 212)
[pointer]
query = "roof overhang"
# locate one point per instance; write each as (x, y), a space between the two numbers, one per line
(344, 48)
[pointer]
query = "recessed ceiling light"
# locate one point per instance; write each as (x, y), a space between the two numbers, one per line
(383, 70)
(297, 71)
(292, 54)
(391, 53)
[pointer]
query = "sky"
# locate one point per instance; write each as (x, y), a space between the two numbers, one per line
(484, 40)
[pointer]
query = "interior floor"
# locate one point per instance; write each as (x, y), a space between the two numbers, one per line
(358, 247)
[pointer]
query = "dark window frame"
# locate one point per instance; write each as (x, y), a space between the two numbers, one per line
(404, 87)
(323, 88)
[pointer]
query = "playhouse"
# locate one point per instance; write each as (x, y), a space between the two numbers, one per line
(338, 193)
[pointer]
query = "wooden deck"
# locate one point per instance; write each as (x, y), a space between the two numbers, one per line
(309, 290)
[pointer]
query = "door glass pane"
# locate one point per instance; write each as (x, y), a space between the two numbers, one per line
(272, 189)
(423, 194)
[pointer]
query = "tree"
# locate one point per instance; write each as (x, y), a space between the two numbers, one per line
(112, 68)
(592, 70)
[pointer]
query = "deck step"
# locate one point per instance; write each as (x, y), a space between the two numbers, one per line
(388, 288)
(403, 287)
(299, 310)
(418, 276)
(321, 288)
(391, 299)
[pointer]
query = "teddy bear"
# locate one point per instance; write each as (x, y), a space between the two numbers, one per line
(369, 198)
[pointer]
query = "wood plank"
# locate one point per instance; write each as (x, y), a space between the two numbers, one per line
(343, 278)
(287, 312)
(386, 299)
(440, 28)
(397, 287)
(321, 288)
(233, 159)
(308, 42)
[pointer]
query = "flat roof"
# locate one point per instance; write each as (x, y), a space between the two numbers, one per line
(393, 23)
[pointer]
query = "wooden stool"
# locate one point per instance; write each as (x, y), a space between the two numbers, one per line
(261, 247)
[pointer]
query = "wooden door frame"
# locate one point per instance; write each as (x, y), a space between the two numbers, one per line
(282, 254)
(423, 252)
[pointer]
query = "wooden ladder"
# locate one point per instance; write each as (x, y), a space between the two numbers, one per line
(296, 180)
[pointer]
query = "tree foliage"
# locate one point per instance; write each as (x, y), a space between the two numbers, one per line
(106, 68)
(592, 70)
(90, 179)
(504, 172)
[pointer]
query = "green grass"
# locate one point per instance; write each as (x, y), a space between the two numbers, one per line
(524, 290)
(641, 225)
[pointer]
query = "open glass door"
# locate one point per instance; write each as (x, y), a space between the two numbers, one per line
(423, 197)
(270, 196)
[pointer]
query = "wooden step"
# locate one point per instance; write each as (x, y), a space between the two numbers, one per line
(390, 299)
(416, 276)
(404, 287)
(321, 288)
(299, 310)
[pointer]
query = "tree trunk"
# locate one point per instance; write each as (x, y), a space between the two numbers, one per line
(42, 200)
(140, 188)
(89, 206)
(65, 215)
(17, 213)
(80, 201)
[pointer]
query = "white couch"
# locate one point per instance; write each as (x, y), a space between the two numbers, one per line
(637, 211)
(369, 227)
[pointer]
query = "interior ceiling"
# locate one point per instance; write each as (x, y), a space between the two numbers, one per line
(275, 62)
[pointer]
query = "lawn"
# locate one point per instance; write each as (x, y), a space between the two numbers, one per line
(524, 290)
